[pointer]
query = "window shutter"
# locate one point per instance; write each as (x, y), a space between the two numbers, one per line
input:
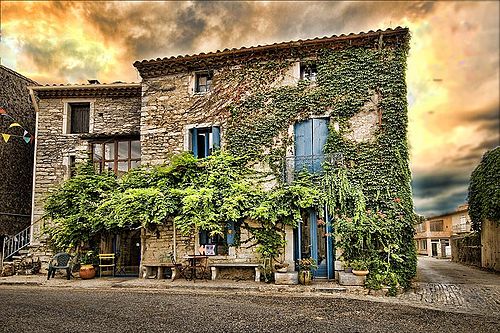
(216, 137)
(80, 117)
(194, 141)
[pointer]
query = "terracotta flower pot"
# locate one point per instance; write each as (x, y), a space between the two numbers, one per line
(87, 272)
(360, 273)
(305, 277)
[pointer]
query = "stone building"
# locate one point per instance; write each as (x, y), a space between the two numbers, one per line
(16, 155)
(434, 234)
(76, 122)
(184, 104)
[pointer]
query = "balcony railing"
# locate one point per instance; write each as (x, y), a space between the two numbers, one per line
(461, 227)
(313, 164)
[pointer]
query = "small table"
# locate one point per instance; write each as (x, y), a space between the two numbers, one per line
(197, 262)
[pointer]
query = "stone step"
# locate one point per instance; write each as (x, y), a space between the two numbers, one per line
(23, 252)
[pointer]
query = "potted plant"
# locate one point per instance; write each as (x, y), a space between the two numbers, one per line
(359, 267)
(281, 267)
(87, 261)
(306, 265)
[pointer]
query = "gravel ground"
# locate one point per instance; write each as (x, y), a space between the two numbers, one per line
(34, 309)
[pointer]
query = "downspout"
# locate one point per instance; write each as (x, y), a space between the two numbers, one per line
(35, 105)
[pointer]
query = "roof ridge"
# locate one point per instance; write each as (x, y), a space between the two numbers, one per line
(250, 48)
(13, 72)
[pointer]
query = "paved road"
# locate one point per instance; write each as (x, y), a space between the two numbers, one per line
(449, 286)
(433, 270)
(34, 309)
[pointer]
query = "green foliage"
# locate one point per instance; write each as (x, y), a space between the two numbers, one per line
(70, 207)
(89, 258)
(133, 208)
(484, 190)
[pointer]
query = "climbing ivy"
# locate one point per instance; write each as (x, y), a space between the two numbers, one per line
(371, 175)
(484, 190)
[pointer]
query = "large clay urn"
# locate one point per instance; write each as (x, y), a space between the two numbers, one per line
(87, 272)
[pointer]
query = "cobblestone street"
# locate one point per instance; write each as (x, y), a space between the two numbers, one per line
(449, 286)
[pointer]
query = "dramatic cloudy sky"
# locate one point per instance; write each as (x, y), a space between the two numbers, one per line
(453, 68)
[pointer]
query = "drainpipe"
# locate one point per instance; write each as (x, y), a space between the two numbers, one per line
(35, 105)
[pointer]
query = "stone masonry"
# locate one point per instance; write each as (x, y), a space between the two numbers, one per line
(16, 156)
(109, 116)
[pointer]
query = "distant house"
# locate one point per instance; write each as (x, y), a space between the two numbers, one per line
(183, 104)
(434, 234)
(16, 155)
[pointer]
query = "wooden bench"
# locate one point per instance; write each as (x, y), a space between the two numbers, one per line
(214, 268)
(160, 266)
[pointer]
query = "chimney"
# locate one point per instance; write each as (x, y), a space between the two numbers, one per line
(94, 82)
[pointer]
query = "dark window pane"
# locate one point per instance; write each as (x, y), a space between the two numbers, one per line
(79, 113)
(123, 150)
(97, 152)
(110, 166)
(136, 149)
(110, 151)
(122, 168)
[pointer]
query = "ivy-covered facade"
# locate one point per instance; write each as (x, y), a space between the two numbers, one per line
(300, 151)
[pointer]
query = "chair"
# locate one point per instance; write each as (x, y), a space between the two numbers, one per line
(60, 261)
(106, 260)
(178, 267)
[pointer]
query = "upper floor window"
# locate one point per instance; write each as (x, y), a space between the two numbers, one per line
(308, 72)
(420, 227)
(203, 82)
(204, 140)
(436, 225)
(118, 155)
(310, 138)
(79, 114)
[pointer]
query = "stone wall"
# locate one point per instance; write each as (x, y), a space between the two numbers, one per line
(16, 156)
(108, 117)
(158, 244)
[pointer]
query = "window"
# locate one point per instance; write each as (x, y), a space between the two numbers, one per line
(203, 82)
(423, 244)
(308, 72)
(79, 117)
(310, 138)
(436, 225)
(204, 140)
(118, 155)
(420, 227)
(221, 243)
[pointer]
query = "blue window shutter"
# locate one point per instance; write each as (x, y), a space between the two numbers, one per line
(303, 144)
(194, 141)
(216, 137)
(231, 233)
(207, 144)
(319, 137)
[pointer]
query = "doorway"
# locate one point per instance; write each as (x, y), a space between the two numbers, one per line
(127, 249)
(434, 247)
(312, 239)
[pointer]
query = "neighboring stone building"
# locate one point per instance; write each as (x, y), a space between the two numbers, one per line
(434, 234)
(183, 103)
(75, 122)
(16, 155)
